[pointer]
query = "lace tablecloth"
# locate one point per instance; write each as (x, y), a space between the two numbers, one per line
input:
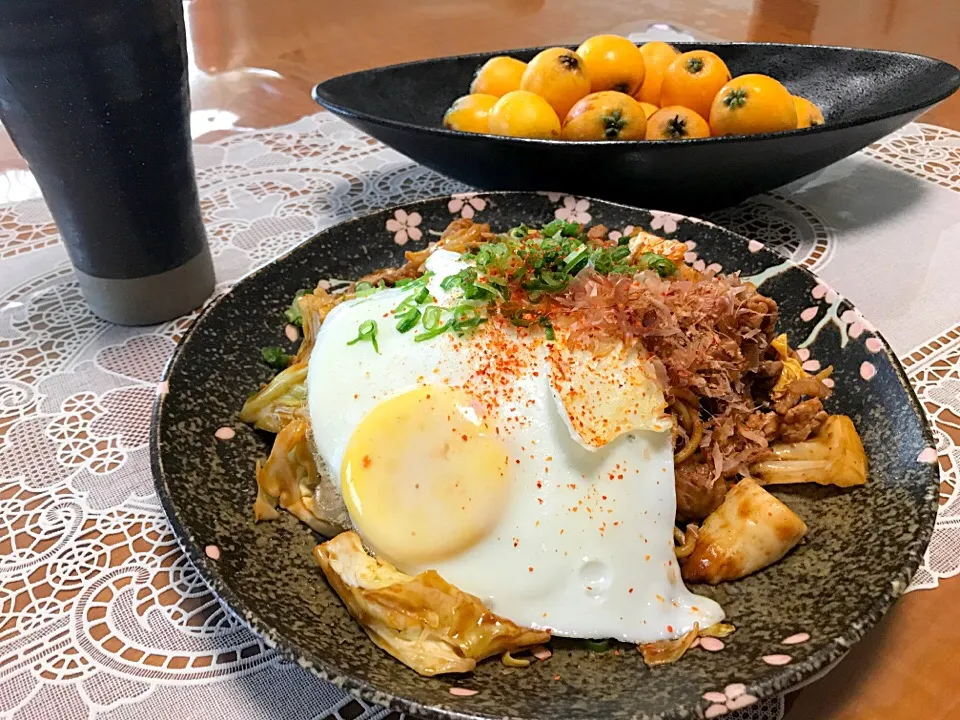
(103, 617)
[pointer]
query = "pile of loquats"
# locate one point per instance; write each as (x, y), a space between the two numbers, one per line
(610, 89)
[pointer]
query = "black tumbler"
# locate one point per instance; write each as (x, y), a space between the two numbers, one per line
(94, 94)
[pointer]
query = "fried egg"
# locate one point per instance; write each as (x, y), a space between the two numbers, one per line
(532, 474)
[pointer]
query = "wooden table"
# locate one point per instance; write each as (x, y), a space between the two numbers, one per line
(907, 667)
(255, 61)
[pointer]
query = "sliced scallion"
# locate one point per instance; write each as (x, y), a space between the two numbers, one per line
(431, 317)
(429, 334)
(660, 264)
(547, 329)
(366, 331)
(408, 321)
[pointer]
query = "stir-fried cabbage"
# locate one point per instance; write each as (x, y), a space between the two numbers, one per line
(833, 457)
(423, 621)
(749, 531)
(276, 403)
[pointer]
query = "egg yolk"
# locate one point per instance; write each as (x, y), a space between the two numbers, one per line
(423, 478)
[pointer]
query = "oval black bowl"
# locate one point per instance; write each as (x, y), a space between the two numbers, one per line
(863, 546)
(864, 95)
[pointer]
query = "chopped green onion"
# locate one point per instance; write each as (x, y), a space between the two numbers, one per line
(518, 233)
(620, 253)
(465, 316)
(411, 283)
(553, 281)
(431, 317)
(408, 321)
(491, 253)
(481, 290)
(292, 313)
(569, 229)
(366, 331)
(660, 264)
(519, 321)
(573, 262)
(465, 276)
(624, 240)
(597, 645)
(423, 294)
(405, 304)
(363, 289)
(275, 357)
(547, 329)
(429, 334)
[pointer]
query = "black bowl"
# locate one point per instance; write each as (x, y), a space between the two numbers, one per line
(864, 95)
(863, 547)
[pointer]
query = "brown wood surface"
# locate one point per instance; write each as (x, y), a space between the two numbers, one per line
(257, 59)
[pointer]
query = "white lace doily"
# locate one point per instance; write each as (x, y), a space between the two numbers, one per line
(102, 615)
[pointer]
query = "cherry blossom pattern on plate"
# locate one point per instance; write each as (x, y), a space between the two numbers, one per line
(664, 222)
(466, 204)
(404, 226)
(617, 234)
(733, 697)
(851, 323)
(573, 209)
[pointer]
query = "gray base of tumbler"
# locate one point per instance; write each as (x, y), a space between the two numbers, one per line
(152, 299)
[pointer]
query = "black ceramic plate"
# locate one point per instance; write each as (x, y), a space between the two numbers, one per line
(863, 544)
(864, 95)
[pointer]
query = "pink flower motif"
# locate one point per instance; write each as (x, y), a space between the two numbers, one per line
(691, 245)
(927, 455)
(809, 313)
(664, 221)
(819, 291)
(574, 210)
(699, 265)
(616, 234)
(803, 354)
(553, 196)
(712, 644)
(811, 366)
(867, 370)
(225, 433)
(855, 322)
(690, 257)
(873, 344)
(778, 659)
(755, 246)
(465, 204)
(404, 226)
(733, 697)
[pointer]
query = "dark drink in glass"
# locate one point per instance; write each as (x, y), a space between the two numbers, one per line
(94, 94)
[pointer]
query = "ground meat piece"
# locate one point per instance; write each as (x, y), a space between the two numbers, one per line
(771, 426)
(699, 493)
(759, 312)
(765, 379)
(802, 421)
(597, 235)
(797, 390)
